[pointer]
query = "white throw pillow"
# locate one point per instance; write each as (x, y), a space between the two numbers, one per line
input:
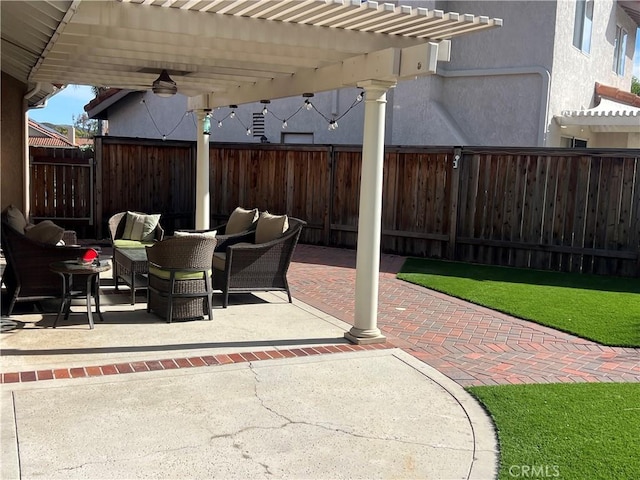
(210, 234)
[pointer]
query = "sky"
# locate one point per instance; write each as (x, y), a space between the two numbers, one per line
(69, 103)
(63, 106)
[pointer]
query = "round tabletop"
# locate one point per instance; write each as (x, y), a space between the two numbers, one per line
(75, 268)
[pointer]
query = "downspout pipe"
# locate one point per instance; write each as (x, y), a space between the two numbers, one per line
(544, 73)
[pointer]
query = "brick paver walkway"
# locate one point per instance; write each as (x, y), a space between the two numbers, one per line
(470, 344)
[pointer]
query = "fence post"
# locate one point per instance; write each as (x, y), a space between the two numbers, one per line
(328, 214)
(97, 191)
(456, 164)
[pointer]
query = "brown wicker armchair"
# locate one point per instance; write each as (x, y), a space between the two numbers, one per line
(180, 277)
(27, 276)
(250, 267)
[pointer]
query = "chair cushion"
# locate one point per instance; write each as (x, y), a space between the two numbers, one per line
(270, 227)
(210, 234)
(240, 220)
(15, 218)
(164, 274)
(122, 243)
(45, 232)
(140, 227)
(219, 260)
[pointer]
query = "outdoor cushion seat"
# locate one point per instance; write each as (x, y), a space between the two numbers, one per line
(135, 230)
(27, 276)
(180, 277)
(248, 266)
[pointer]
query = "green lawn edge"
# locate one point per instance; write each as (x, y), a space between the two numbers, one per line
(572, 431)
(602, 309)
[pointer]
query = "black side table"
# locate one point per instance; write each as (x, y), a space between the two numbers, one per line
(67, 269)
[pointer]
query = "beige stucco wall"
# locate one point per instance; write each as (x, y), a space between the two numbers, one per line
(12, 128)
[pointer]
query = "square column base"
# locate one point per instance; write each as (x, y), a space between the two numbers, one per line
(364, 340)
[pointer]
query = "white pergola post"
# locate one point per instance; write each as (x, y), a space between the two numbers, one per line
(365, 329)
(203, 202)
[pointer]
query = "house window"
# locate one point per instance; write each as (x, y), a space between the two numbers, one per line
(297, 138)
(619, 50)
(572, 142)
(583, 25)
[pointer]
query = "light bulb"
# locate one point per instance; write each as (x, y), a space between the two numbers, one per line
(308, 105)
(264, 111)
(359, 97)
(248, 131)
(284, 124)
(220, 124)
(232, 114)
(164, 137)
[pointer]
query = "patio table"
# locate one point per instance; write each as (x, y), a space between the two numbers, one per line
(67, 269)
(130, 265)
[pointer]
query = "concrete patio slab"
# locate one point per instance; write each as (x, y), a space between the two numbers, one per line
(375, 414)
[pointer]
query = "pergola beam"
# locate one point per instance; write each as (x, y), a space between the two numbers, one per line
(389, 65)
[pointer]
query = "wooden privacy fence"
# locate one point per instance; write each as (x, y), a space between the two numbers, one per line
(567, 210)
(62, 182)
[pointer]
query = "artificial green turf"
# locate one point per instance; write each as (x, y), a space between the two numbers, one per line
(600, 308)
(567, 431)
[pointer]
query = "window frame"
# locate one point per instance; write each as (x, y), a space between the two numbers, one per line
(583, 25)
(620, 50)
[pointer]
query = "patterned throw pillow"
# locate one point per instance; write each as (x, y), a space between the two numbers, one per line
(140, 227)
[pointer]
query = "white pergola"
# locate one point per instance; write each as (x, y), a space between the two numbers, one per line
(226, 52)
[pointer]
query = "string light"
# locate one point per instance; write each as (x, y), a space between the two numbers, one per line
(264, 109)
(307, 105)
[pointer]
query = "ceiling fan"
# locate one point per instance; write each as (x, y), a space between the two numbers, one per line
(164, 86)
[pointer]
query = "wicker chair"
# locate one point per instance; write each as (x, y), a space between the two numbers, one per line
(117, 223)
(250, 267)
(27, 276)
(180, 277)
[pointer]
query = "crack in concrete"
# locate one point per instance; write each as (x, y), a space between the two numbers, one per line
(289, 421)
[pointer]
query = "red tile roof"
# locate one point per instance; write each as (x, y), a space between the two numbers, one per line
(45, 137)
(621, 96)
